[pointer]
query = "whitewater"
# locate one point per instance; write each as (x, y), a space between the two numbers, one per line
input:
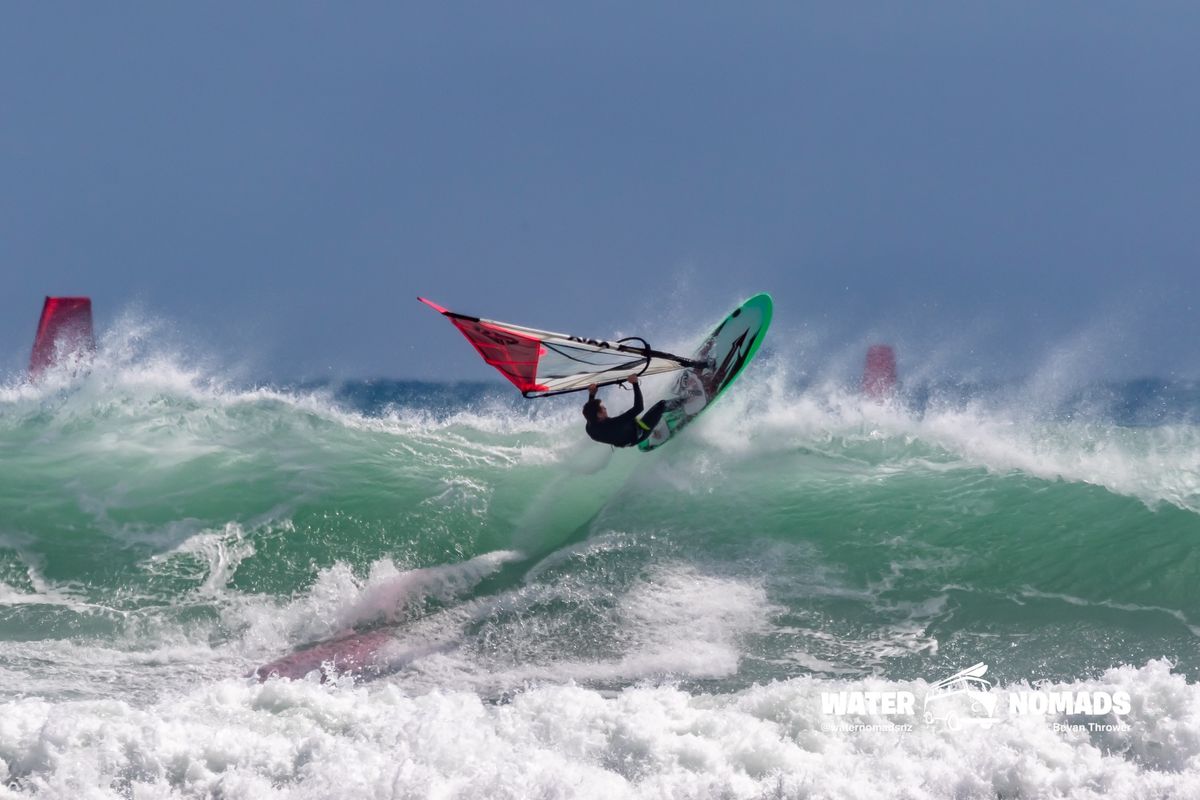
(553, 618)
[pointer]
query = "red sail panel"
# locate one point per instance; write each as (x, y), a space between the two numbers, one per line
(514, 354)
(879, 375)
(541, 363)
(64, 329)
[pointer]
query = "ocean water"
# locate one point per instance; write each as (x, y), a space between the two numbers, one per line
(548, 617)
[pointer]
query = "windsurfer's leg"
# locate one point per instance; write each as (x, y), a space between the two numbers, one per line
(651, 417)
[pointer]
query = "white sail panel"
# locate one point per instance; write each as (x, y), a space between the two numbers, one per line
(541, 363)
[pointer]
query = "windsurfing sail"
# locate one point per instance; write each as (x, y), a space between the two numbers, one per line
(879, 374)
(64, 331)
(543, 363)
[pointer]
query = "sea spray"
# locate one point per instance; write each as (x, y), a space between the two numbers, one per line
(669, 626)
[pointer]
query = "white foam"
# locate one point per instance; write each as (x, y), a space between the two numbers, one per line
(340, 599)
(1158, 464)
(217, 553)
(141, 377)
(676, 623)
(300, 739)
(38, 590)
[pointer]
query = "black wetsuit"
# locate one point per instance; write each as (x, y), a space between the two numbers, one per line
(624, 431)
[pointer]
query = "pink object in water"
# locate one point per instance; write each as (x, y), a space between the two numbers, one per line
(879, 375)
(353, 654)
(65, 329)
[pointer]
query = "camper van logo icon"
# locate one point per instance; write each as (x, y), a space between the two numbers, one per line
(965, 698)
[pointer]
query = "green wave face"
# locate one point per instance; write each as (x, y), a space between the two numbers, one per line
(784, 533)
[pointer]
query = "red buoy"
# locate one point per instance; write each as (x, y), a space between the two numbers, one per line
(64, 330)
(879, 375)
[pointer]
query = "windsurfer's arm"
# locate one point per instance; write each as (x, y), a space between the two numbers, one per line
(637, 395)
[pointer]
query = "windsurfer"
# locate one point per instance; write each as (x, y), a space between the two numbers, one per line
(627, 429)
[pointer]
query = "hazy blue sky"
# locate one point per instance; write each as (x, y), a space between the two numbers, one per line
(278, 181)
